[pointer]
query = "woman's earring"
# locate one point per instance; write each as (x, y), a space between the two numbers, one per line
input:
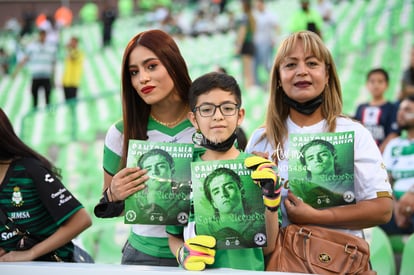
(197, 137)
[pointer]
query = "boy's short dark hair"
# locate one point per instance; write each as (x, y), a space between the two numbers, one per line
(213, 80)
(378, 70)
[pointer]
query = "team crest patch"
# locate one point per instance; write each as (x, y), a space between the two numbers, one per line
(17, 199)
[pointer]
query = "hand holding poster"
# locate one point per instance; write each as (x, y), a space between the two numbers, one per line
(321, 170)
(227, 204)
(165, 200)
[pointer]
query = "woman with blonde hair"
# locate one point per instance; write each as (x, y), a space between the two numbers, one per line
(306, 98)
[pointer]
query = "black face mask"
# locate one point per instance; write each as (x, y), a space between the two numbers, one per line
(305, 108)
(200, 139)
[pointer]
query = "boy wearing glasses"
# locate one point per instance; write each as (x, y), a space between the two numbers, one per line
(216, 113)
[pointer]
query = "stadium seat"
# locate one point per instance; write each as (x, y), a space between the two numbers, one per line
(89, 13)
(105, 239)
(125, 8)
(382, 256)
(407, 261)
(398, 242)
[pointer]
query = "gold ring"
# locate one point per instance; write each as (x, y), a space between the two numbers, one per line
(408, 209)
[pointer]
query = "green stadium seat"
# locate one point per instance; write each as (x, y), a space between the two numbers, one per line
(125, 8)
(105, 239)
(89, 13)
(382, 256)
(398, 242)
(407, 261)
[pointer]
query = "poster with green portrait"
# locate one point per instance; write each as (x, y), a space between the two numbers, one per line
(321, 168)
(165, 199)
(228, 204)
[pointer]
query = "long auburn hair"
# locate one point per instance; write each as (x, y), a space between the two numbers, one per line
(12, 147)
(135, 111)
(277, 111)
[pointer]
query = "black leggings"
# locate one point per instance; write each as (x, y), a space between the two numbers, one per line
(37, 83)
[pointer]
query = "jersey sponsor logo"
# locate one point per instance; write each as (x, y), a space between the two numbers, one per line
(20, 215)
(17, 198)
(62, 197)
(8, 235)
(49, 178)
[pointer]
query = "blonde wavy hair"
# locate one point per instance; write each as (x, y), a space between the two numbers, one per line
(277, 112)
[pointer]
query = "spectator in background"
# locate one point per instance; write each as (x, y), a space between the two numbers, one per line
(28, 19)
(4, 62)
(31, 186)
(378, 115)
(171, 25)
(12, 26)
(48, 24)
(221, 5)
(201, 23)
(244, 43)
(306, 18)
(40, 56)
(73, 67)
(407, 82)
(399, 160)
(325, 9)
(108, 18)
(265, 38)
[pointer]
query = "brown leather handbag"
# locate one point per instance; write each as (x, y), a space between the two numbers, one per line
(318, 250)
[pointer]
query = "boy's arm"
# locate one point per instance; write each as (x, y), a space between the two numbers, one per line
(175, 243)
(195, 253)
(272, 230)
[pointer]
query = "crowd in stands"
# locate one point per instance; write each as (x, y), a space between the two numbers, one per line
(387, 118)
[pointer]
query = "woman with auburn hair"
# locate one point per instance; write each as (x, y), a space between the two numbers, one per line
(155, 85)
(305, 98)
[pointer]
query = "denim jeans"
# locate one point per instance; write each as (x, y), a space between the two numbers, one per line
(391, 227)
(263, 57)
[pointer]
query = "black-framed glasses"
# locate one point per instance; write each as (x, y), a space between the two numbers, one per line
(208, 109)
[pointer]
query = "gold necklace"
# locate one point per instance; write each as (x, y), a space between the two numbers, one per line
(170, 124)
